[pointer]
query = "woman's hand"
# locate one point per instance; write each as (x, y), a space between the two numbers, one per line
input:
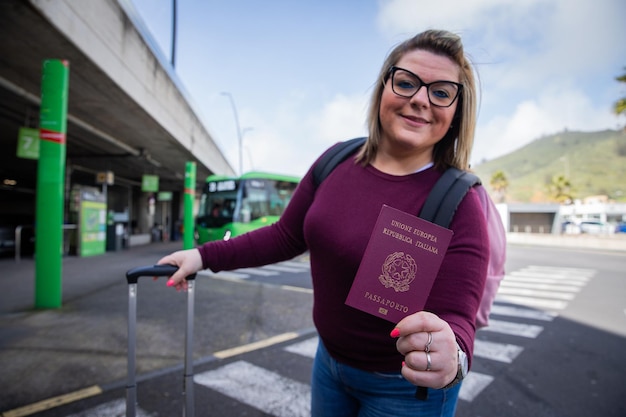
(188, 262)
(429, 348)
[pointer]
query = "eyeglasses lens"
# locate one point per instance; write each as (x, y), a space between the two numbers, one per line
(441, 93)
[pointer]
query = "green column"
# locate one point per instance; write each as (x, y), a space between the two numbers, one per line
(190, 194)
(51, 184)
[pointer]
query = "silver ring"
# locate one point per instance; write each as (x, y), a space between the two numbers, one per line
(430, 340)
(428, 362)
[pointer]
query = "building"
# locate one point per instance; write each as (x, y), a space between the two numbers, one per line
(128, 118)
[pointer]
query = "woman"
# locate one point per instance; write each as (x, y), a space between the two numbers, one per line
(421, 120)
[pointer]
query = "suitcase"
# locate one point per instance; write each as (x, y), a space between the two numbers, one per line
(132, 276)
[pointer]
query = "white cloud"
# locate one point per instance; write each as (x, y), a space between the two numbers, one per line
(342, 118)
(289, 138)
(553, 112)
(544, 65)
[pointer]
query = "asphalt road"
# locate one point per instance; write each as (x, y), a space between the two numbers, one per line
(555, 345)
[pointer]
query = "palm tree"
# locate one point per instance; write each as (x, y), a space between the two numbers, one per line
(499, 184)
(560, 189)
(620, 105)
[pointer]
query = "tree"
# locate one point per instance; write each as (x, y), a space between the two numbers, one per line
(499, 184)
(560, 189)
(620, 105)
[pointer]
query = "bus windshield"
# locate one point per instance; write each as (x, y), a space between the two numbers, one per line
(233, 206)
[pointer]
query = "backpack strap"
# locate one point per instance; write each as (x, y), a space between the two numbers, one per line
(442, 201)
(334, 157)
(446, 195)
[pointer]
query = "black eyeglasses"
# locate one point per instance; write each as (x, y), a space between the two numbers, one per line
(406, 84)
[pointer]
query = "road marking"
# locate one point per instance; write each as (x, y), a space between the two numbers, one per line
(115, 408)
(259, 271)
(283, 268)
(280, 268)
(297, 264)
(540, 286)
(535, 293)
(227, 353)
(306, 348)
(259, 388)
(549, 305)
(500, 352)
(530, 331)
(544, 279)
(53, 402)
(561, 269)
(225, 275)
(473, 384)
(526, 313)
(265, 271)
(526, 273)
(296, 289)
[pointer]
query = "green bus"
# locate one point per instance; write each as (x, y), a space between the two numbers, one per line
(231, 206)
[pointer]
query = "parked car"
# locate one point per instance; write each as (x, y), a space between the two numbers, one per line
(620, 228)
(592, 227)
(7, 240)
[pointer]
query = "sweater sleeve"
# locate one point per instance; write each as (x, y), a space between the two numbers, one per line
(274, 243)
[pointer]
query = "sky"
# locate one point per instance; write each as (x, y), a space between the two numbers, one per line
(300, 73)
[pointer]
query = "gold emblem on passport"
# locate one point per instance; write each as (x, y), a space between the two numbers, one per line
(399, 270)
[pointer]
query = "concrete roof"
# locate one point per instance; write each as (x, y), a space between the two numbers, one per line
(127, 111)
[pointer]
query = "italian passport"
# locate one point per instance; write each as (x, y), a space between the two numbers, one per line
(399, 266)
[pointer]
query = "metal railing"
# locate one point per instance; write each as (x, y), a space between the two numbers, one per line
(18, 238)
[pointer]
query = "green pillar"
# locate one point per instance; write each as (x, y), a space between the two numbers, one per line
(190, 194)
(51, 184)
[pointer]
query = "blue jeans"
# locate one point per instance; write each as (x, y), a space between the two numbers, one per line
(338, 390)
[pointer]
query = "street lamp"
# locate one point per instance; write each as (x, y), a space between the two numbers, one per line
(239, 134)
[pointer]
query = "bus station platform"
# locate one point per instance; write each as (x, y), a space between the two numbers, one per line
(51, 356)
(50, 352)
(48, 356)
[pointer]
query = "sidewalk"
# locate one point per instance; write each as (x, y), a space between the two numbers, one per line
(83, 344)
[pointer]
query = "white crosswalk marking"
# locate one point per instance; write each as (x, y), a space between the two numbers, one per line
(473, 385)
(306, 348)
(544, 279)
(260, 271)
(550, 305)
(305, 266)
(532, 293)
(525, 313)
(540, 286)
(500, 352)
(264, 271)
(228, 275)
(259, 388)
(515, 329)
(529, 273)
(282, 268)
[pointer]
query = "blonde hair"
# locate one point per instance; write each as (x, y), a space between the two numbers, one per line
(455, 147)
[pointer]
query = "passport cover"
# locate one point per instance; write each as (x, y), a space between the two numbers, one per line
(399, 266)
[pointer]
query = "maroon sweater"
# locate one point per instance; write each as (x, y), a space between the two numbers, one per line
(334, 223)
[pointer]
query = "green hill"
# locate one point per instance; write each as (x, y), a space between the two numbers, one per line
(593, 162)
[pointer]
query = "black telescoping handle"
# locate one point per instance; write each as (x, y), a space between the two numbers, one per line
(132, 276)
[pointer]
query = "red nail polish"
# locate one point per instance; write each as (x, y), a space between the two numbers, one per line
(395, 332)
(403, 364)
(170, 283)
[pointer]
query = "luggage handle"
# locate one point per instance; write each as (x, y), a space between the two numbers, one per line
(132, 276)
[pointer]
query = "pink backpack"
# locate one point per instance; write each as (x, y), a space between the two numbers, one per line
(497, 257)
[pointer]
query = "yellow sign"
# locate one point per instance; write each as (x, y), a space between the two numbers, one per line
(107, 178)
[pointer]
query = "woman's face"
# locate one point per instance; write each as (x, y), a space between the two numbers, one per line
(414, 122)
